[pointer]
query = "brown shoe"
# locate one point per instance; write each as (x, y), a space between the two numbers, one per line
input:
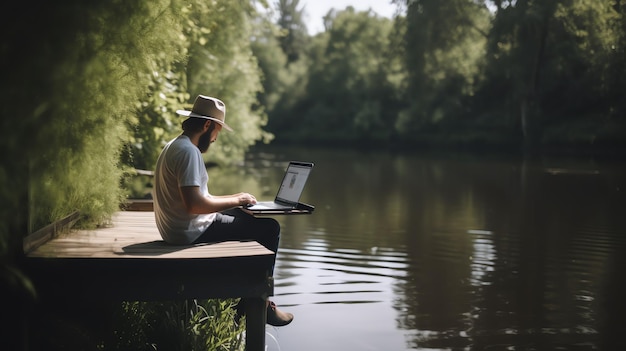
(276, 317)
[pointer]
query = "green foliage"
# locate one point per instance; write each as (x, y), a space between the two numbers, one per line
(460, 72)
(293, 38)
(77, 90)
(166, 325)
(554, 66)
(347, 92)
(221, 64)
(272, 62)
(445, 45)
(155, 121)
(181, 325)
(212, 55)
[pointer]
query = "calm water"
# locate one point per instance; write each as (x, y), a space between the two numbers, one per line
(451, 252)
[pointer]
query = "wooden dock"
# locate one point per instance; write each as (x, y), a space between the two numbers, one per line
(133, 234)
(127, 260)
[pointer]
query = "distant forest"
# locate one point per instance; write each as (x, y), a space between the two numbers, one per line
(513, 74)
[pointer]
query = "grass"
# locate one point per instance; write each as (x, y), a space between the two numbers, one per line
(172, 325)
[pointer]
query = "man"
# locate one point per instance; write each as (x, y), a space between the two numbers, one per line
(186, 213)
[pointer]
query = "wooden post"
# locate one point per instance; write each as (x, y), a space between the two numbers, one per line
(256, 316)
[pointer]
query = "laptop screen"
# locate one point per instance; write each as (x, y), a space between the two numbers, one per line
(293, 182)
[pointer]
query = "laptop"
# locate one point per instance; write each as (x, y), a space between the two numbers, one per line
(289, 192)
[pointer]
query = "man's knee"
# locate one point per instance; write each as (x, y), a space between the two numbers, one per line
(273, 225)
(271, 233)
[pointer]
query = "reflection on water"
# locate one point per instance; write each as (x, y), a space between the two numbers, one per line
(422, 252)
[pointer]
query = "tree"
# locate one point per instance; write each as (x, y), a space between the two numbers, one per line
(272, 62)
(221, 63)
(348, 94)
(541, 54)
(294, 37)
(444, 52)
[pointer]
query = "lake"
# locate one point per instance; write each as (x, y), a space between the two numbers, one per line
(446, 251)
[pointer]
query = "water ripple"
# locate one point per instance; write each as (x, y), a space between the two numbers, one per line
(315, 275)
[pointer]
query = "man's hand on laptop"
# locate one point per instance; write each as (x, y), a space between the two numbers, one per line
(246, 200)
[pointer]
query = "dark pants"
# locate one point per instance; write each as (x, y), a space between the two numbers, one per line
(237, 225)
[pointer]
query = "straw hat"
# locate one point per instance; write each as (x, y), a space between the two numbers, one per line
(209, 108)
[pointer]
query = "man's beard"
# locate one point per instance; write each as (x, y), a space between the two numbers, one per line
(205, 141)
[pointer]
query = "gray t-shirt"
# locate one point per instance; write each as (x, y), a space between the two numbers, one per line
(180, 164)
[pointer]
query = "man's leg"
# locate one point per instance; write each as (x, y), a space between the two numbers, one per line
(238, 225)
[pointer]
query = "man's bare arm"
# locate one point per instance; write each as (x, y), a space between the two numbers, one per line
(197, 203)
